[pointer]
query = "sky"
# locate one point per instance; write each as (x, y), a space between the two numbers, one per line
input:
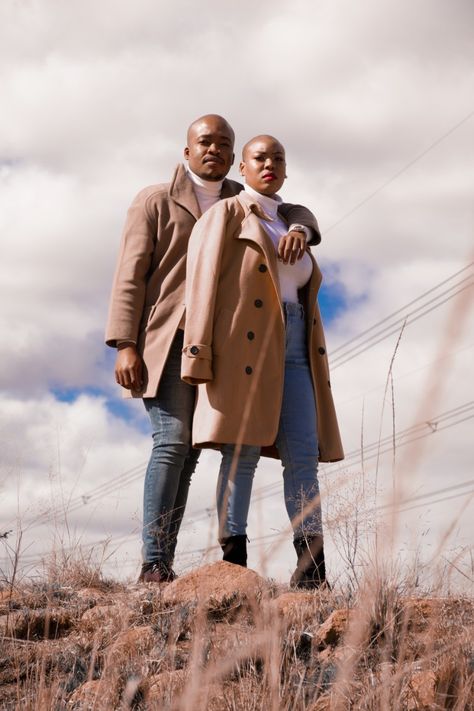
(374, 103)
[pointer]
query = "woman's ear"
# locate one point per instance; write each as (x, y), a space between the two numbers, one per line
(242, 168)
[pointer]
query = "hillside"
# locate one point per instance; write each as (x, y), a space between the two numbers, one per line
(222, 638)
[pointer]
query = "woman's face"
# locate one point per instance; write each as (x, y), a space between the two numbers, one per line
(263, 165)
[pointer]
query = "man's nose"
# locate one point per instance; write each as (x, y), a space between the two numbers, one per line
(213, 148)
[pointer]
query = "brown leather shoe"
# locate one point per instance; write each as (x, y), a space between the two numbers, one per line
(157, 572)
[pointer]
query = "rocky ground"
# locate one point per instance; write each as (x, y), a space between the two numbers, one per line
(222, 638)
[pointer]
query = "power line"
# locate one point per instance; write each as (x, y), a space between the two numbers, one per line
(399, 172)
(406, 306)
(136, 472)
(36, 558)
(389, 331)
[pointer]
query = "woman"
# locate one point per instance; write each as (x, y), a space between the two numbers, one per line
(254, 344)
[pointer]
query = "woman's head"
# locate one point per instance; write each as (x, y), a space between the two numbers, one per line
(263, 164)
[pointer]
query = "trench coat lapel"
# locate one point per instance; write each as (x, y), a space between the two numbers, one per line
(181, 191)
(254, 231)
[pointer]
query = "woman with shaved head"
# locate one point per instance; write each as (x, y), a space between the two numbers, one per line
(254, 344)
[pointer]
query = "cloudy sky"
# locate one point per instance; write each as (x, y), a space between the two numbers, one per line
(374, 103)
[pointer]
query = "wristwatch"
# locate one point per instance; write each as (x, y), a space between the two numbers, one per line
(298, 228)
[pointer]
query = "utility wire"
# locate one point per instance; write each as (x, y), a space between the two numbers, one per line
(399, 172)
(136, 472)
(388, 331)
(403, 308)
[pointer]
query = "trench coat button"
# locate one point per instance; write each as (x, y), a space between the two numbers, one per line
(258, 303)
(262, 268)
(321, 350)
(248, 370)
(250, 335)
(194, 350)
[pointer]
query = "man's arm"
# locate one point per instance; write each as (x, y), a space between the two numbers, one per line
(129, 285)
(303, 231)
(128, 291)
(300, 215)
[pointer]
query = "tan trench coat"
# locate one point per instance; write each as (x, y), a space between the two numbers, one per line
(234, 339)
(147, 300)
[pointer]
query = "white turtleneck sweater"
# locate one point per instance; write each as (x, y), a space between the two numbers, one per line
(292, 276)
(208, 192)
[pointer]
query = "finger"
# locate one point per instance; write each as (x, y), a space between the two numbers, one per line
(121, 379)
(288, 250)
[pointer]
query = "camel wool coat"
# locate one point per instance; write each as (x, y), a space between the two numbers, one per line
(234, 338)
(147, 300)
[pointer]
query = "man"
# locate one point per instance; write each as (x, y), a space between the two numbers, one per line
(146, 321)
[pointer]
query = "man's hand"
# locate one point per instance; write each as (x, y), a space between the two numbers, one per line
(292, 247)
(129, 367)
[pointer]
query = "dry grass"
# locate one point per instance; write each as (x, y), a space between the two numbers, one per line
(85, 643)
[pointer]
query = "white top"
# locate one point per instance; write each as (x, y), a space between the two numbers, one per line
(208, 192)
(292, 276)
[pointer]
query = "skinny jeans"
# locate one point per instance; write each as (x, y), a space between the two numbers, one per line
(297, 444)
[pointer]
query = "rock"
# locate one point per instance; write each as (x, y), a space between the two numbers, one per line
(295, 607)
(333, 629)
(94, 695)
(132, 642)
(36, 624)
(91, 596)
(322, 703)
(217, 588)
(231, 647)
(164, 688)
(105, 622)
(419, 691)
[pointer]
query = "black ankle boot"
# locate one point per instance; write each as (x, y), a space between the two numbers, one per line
(310, 570)
(235, 550)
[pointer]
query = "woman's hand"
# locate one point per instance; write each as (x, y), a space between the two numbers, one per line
(128, 367)
(291, 247)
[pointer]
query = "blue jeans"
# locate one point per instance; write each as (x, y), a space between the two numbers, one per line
(297, 443)
(172, 462)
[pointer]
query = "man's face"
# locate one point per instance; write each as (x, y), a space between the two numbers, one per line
(210, 149)
(264, 166)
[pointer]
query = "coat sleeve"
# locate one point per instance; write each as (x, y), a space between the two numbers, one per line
(133, 263)
(300, 215)
(205, 249)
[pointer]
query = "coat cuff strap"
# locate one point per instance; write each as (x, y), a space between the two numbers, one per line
(196, 364)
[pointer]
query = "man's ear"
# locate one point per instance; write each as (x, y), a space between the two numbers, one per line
(186, 153)
(233, 158)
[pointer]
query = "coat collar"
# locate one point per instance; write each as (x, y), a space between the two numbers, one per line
(253, 230)
(182, 192)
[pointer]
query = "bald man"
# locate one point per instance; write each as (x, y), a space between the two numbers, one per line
(146, 321)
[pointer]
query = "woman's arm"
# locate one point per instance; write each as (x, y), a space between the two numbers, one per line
(205, 249)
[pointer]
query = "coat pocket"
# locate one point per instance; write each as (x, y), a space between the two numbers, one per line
(147, 315)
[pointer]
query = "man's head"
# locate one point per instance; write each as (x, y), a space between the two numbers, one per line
(210, 147)
(263, 164)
